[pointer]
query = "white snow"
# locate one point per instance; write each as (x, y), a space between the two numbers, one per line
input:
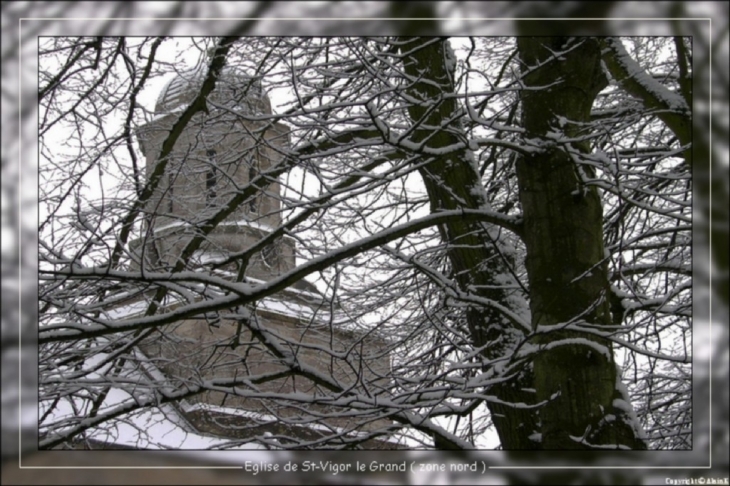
(673, 101)
(265, 418)
(159, 427)
(623, 404)
(599, 348)
(241, 223)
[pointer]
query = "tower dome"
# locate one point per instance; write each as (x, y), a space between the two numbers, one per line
(234, 90)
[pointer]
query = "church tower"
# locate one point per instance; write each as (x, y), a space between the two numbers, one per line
(222, 169)
(219, 156)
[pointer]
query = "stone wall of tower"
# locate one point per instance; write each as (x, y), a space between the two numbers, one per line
(195, 350)
(233, 151)
(164, 245)
(214, 159)
(240, 146)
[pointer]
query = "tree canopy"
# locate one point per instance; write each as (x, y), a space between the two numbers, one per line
(511, 216)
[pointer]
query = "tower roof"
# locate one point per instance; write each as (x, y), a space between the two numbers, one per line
(234, 89)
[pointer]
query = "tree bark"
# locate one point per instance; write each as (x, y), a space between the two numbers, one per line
(563, 232)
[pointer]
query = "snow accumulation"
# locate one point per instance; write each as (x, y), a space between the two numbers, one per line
(160, 427)
(240, 223)
(293, 290)
(175, 111)
(623, 405)
(273, 305)
(135, 308)
(599, 348)
(670, 99)
(265, 418)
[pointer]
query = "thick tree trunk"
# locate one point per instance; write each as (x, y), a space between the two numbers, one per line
(574, 371)
(474, 251)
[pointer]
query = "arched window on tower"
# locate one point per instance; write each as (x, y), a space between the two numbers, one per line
(170, 195)
(252, 202)
(211, 179)
(270, 255)
(252, 162)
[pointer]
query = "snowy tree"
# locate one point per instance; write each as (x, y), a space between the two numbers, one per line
(511, 216)
(705, 22)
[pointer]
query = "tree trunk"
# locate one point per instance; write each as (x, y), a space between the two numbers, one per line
(478, 260)
(574, 371)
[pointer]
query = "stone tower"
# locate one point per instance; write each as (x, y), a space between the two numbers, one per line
(220, 156)
(217, 157)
